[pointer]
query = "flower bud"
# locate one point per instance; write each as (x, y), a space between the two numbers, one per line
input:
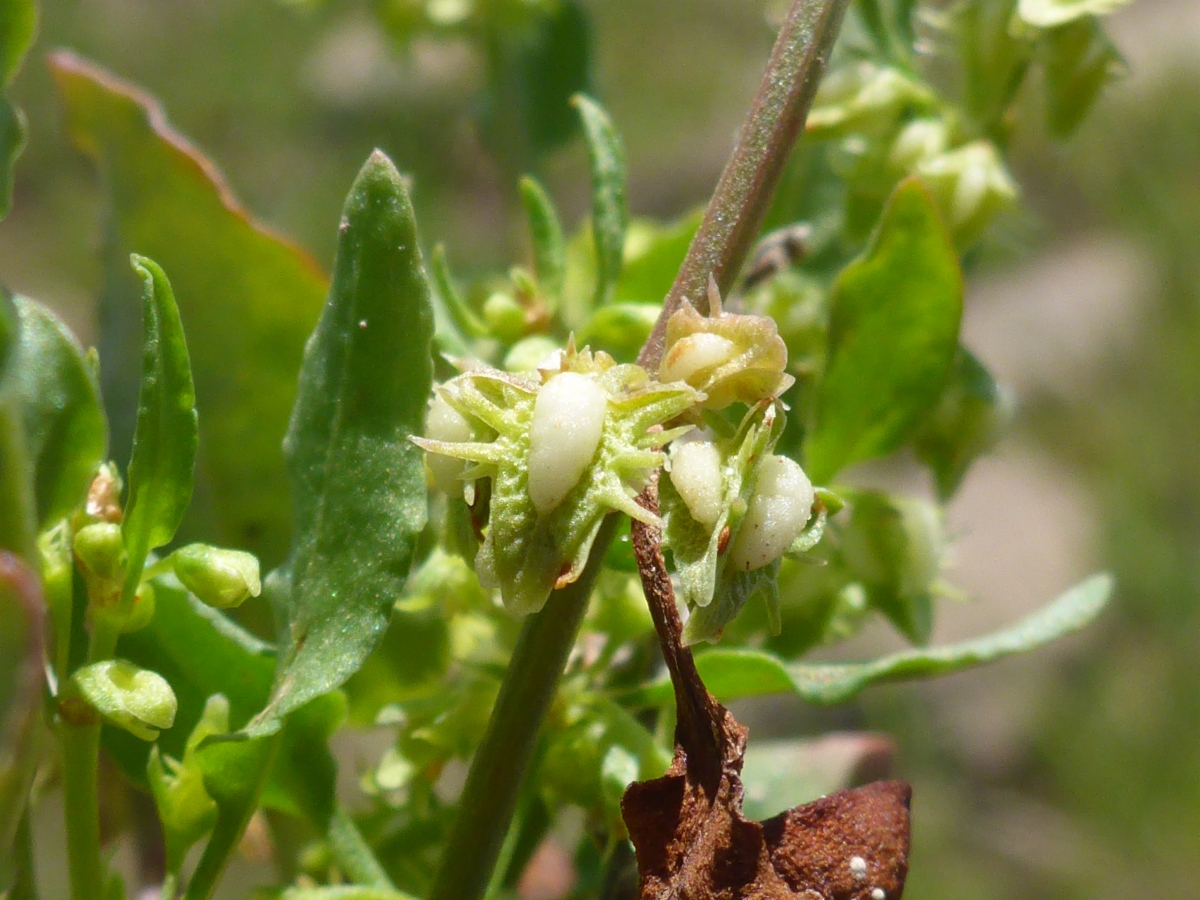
(864, 99)
(728, 357)
(137, 700)
(445, 423)
(919, 140)
(100, 555)
(971, 185)
(696, 475)
(221, 578)
(568, 420)
(504, 317)
(142, 610)
(779, 509)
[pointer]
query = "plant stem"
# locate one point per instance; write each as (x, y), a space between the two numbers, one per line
(718, 250)
(79, 735)
(353, 854)
(490, 795)
(742, 195)
(80, 742)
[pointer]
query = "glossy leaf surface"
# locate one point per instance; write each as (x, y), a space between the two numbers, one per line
(248, 298)
(65, 429)
(357, 481)
(893, 333)
(164, 442)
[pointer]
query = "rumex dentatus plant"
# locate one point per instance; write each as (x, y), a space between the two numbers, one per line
(546, 524)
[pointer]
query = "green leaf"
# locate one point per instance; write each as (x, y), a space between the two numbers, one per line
(358, 482)
(164, 443)
(549, 243)
(653, 255)
(1049, 13)
(610, 215)
(22, 684)
(620, 328)
(18, 24)
(733, 674)
(249, 299)
(893, 333)
(235, 772)
(65, 429)
(1079, 60)
(994, 60)
(968, 420)
(453, 318)
(533, 70)
(201, 652)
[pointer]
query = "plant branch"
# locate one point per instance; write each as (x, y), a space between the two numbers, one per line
(719, 248)
(490, 795)
(735, 213)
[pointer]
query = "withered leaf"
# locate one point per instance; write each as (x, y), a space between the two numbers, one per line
(690, 837)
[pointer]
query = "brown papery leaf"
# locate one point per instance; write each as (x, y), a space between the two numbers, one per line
(691, 839)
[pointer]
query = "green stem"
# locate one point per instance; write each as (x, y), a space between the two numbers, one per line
(718, 250)
(735, 213)
(79, 736)
(354, 855)
(24, 885)
(81, 752)
(494, 782)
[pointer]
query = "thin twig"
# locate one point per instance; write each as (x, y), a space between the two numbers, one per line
(744, 192)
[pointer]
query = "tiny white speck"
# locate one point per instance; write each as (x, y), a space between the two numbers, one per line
(878, 894)
(362, 323)
(858, 867)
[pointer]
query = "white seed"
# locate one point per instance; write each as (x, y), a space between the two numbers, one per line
(568, 419)
(695, 353)
(779, 510)
(696, 475)
(858, 867)
(445, 423)
(878, 894)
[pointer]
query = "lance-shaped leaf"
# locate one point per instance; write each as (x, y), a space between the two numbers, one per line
(164, 443)
(549, 244)
(893, 334)
(248, 296)
(733, 674)
(18, 22)
(65, 430)
(610, 214)
(358, 483)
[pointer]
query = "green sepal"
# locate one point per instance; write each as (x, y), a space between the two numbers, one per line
(526, 554)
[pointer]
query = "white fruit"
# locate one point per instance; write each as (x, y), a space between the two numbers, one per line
(568, 420)
(779, 510)
(445, 423)
(695, 353)
(696, 475)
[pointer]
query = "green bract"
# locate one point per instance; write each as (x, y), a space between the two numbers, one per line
(528, 552)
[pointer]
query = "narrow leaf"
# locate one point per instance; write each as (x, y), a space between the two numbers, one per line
(250, 298)
(893, 334)
(164, 442)
(358, 482)
(549, 244)
(610, 215)
(17, 509)
(343, 892)
(733, 674)
(65, 430)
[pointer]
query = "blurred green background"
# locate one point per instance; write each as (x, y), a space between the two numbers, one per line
(1074, 773)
